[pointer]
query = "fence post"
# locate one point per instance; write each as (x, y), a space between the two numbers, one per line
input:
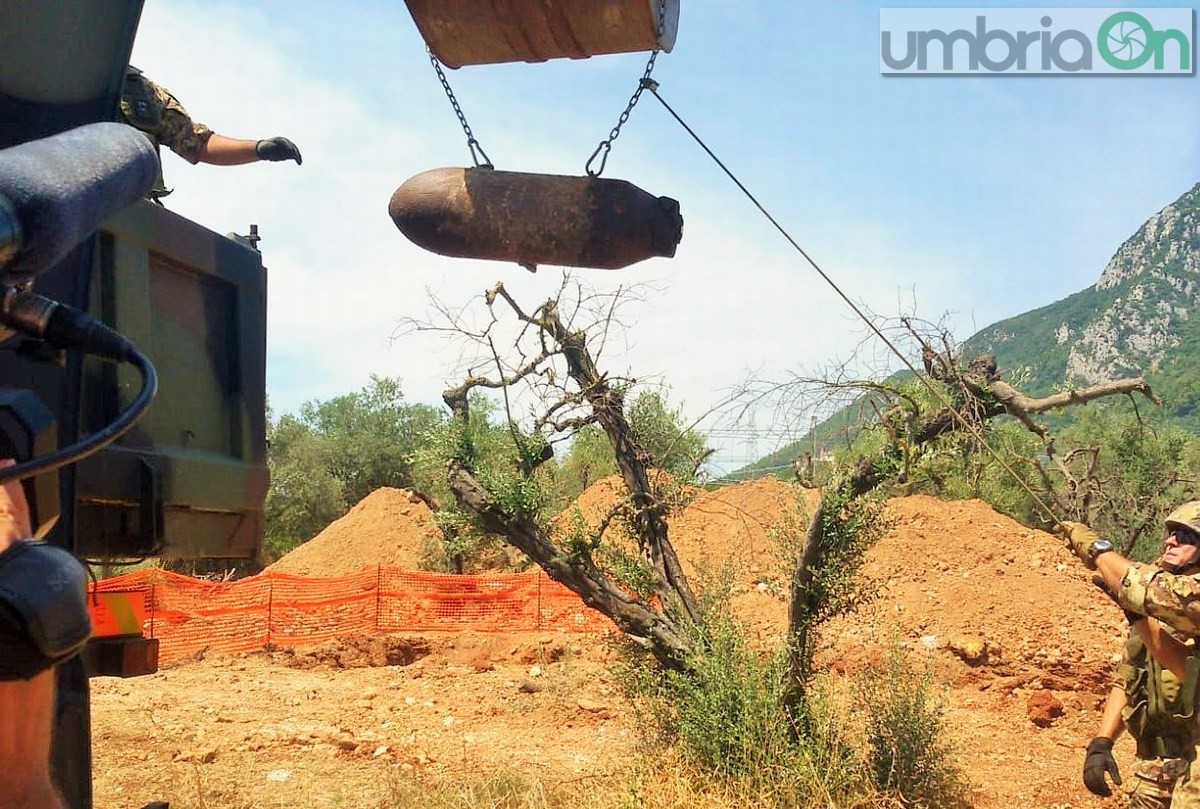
(540, 576)
(270, 607)
(153, 606)
(378, 593)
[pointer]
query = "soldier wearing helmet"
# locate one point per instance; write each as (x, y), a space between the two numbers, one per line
(150, 108)
(1157, 590)
(1154, 695)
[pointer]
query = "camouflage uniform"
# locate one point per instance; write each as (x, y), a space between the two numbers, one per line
(163, 120)
(1154, 786)
(1160, 714)
(1171, 598)
(1167, 753)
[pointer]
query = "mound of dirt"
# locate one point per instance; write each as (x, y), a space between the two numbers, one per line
(731, 528)
(387, 527)
(725, 527)
(722, 537)
(987, 591)
(730, 537)
(1020, 640)
(1011, 624)
(598, 500)
(595, 501)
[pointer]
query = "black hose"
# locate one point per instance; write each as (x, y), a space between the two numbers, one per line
(99, 439)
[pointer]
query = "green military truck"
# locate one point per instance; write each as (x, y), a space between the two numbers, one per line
(189, 480)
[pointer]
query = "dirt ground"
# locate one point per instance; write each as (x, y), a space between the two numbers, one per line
(1007, 621)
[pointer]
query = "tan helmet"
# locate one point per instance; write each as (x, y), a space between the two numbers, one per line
(1187, 515)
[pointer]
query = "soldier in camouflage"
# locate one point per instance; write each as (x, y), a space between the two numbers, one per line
(150, 108)
(1154, 696)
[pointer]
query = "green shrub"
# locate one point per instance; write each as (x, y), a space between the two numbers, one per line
(725, 719)
(731, 715)
(908, 752)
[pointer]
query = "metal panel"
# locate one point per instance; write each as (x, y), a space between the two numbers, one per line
(63, 63)
(190, 479)
(477, 32)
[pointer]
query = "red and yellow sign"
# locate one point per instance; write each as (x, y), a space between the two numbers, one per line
(117, 612)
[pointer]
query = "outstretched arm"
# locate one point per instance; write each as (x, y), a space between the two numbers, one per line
(194, 142)
(1173, 599)
(219, 150)
(1112, 568)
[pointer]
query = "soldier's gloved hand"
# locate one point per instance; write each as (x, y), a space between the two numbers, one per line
(276, 149)
(1100, 761)
(1079, 539)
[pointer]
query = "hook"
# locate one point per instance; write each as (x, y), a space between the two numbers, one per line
(605, 146)
(474, 146)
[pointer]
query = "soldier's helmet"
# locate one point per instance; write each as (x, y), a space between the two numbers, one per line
(1186, 516)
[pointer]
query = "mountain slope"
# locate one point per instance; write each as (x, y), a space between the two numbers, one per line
(1137, 319)
(1141, 318)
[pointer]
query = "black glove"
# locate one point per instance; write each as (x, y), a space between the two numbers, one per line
(276, 149)
(1098, 762)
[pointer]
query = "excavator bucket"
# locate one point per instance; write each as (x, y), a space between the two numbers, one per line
(480, 32)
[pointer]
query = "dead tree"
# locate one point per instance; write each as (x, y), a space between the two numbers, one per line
(573, 393)
(970, 395)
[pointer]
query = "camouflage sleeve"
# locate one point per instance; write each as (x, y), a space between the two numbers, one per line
(1119, 673)
(1172, 599)
(179, 132)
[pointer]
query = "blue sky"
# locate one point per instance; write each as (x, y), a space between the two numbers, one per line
(974, 198)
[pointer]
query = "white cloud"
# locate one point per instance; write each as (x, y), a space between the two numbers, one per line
(353, 88)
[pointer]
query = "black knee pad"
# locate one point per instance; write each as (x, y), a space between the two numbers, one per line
(43, 608)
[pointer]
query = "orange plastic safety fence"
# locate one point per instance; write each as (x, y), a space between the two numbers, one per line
(192, 615)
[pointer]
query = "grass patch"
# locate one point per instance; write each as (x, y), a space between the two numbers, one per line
(408, 789)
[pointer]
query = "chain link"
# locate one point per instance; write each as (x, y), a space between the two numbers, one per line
(472, 144)
(644, 83)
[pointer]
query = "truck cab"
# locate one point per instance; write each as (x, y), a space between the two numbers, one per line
(189, 481)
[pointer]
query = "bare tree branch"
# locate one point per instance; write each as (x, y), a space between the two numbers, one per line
(550, 355)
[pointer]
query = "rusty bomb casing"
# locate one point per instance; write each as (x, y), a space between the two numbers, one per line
(480, 32)
(534, 219)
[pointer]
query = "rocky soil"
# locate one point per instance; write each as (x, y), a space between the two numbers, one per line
(1002, 615)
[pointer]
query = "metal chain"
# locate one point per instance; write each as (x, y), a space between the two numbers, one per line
(644, 83)
(472, 144)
